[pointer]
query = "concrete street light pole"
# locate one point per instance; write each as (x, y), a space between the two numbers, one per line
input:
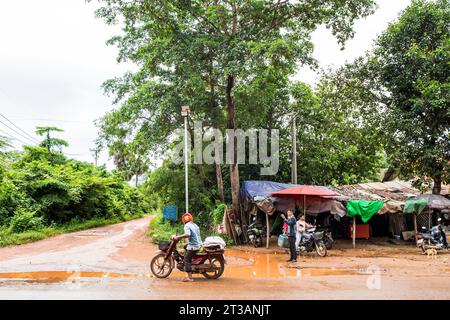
(185, 111)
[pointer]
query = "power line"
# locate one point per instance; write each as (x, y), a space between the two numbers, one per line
(20, 134)
(53, 120)
(29, 135)
(8, 135)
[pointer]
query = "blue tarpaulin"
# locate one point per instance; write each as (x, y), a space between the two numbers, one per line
(262, 188)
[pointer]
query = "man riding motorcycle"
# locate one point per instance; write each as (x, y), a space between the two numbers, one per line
(192, 232)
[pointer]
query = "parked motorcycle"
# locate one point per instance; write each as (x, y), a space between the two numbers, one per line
(313, 240)
(327, 237)
(435, 238)
(210, 263)
(255, 232)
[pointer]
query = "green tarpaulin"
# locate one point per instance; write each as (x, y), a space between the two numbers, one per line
(364, 208)
(414, 206)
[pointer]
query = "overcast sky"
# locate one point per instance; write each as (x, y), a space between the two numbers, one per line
(53, 60)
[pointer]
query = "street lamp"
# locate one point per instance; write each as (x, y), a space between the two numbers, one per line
(185, 111)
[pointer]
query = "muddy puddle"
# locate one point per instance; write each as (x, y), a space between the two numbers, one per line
(61, 276)
(92, 233)
(275, 265)
(239, 264)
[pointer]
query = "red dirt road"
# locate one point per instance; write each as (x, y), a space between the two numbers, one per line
(112, 263)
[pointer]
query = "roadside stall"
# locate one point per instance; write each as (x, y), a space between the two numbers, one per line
(415, 207)
(255, 196)
(387, 220)
(365, 209)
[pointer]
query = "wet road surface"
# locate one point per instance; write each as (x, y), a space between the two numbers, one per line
(113, 263)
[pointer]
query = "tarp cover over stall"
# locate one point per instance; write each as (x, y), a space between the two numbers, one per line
(415, 206)
(258, 192)
(363, 208)
(262, 188)
(435, 201)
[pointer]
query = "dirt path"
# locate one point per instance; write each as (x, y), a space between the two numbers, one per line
(112, 263)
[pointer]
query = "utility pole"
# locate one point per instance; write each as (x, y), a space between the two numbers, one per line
(294, 150)
(95, 152)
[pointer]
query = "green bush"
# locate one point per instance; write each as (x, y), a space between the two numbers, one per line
(39, 189)
(25, 220)
(162, 230)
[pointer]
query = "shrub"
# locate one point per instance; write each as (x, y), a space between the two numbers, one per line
(41, 189)
(25, 220)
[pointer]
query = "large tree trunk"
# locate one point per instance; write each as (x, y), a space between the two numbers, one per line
(234, 169)
(437, 185)
(219, 180)
(390, 174)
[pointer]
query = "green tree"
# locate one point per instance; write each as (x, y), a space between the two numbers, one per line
(187, 49)
(49, 142)
(411, 61)
(335, 143)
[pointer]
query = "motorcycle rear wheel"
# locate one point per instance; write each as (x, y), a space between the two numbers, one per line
(160, 266)
(321, 249)
(220, 268)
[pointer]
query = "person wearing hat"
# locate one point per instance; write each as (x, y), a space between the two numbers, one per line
(192, 232)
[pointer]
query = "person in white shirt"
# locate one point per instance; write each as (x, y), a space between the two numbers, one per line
(301, 227)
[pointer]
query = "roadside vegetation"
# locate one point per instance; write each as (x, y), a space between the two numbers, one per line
(43, 193)
(165, 185)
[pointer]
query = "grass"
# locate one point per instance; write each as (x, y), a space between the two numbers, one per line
(9, 238)
(161, 230)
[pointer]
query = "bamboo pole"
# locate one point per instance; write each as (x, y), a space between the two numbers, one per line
(354, 231)
(415, 227)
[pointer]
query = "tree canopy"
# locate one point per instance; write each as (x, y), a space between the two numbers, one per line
(204, 54)
(403, 85)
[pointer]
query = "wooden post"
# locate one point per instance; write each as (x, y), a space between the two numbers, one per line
(415, 227)
(304, 206)
(267, 231)
(354, 231)
(233, 230)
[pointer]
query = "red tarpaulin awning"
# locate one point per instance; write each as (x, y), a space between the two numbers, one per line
(301, 191)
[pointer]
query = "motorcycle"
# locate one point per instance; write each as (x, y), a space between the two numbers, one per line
(209, 262)
(313, 240)
(327, 237)
(255, 232)
(433, 239)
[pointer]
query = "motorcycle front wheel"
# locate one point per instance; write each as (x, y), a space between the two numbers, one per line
(321, 249)
(160, 266)
(219, 268)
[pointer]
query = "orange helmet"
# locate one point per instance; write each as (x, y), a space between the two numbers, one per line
(187, 217)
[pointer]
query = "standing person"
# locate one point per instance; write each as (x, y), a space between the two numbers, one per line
(301, 227)
(191, 231)
(291, 231)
